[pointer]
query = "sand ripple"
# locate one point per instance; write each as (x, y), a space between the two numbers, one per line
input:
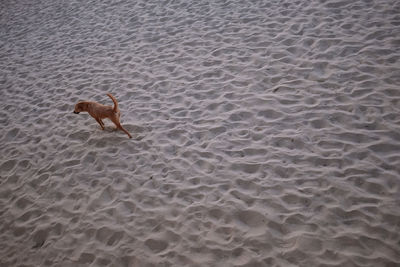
(266, 133)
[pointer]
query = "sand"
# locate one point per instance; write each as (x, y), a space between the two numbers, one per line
(265, 133)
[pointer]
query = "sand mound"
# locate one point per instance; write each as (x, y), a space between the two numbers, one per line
(265, 133)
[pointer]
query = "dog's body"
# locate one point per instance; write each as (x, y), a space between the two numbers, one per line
(99, 112)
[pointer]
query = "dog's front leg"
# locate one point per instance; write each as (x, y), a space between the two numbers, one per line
(100, 122)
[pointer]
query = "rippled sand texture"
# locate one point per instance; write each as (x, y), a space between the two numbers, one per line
(266, 133)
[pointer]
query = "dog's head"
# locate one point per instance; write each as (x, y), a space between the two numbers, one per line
(81, 106)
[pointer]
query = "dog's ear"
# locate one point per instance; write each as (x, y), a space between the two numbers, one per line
(84, 106)
(81, 106)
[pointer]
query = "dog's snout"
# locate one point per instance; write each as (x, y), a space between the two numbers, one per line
(76, 112)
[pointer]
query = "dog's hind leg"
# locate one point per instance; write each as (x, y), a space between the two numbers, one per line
(125, 131)
(119, 126)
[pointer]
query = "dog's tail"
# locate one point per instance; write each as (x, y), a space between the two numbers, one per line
(115, 102)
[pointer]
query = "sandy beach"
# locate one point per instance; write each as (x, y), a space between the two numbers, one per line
(265, 133)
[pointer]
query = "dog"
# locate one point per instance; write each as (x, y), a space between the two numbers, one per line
(99, 112)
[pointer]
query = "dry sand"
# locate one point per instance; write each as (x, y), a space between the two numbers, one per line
(266, 133)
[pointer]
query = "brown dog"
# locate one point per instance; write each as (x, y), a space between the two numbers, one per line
(99, 112)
